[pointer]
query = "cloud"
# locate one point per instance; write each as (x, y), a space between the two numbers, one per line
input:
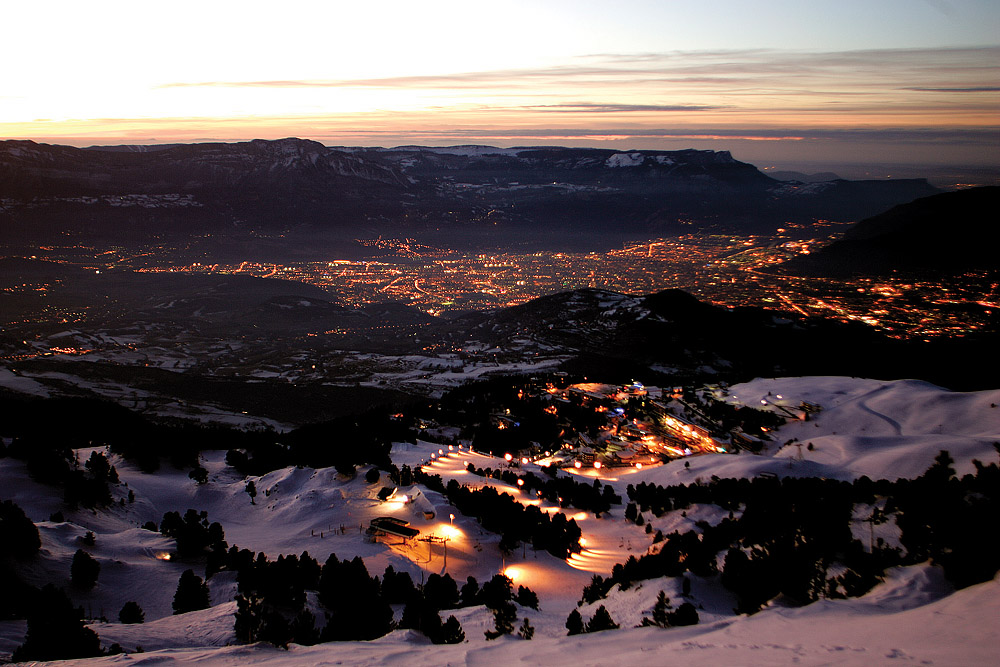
(974, 89)
(919, 67)
(588, 107)
(970, 136)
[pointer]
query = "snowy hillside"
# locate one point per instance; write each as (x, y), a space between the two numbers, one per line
(863, 427)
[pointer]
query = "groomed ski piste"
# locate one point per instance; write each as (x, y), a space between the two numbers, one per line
(881, 429)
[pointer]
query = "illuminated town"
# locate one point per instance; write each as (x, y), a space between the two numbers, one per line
(722, 269)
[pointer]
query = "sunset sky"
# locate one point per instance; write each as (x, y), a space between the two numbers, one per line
(793, 82)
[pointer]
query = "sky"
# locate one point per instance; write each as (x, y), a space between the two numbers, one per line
(792, 82)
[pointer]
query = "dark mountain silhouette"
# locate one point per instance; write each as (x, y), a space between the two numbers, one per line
(945, 233)
(672, 334)
(295, 190)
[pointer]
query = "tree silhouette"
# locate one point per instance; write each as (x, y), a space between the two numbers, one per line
(18, 534)
(84, 570)
(56, 630)
(574, 623)
(451, 632)
(659, 618)
(601, 621)
(251, 491)
(504, 616)
(470, 592)
(527, 597)
(131, 612)
(686, 614)
(192, 593)
(496, 591)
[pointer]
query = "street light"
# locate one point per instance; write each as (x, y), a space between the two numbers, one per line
(508, 457)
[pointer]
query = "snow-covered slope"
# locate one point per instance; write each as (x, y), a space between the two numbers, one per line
(960, 629)
(865, 427)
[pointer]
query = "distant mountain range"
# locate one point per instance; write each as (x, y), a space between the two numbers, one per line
(132, 193)
(945, 233)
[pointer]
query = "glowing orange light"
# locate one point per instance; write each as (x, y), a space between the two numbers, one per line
(597, 464)
(520, 482)
(577, 464)
(508, 456)
(524, 461)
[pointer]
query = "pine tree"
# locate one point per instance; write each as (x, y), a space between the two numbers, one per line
(199, 475)
(526, 631)
(527, 597)
(686, 614)
(601, 621)
(659, 612)
(451, 632)
(304, 629)
(496, 591)
(574, 623)
(249, 618)
(131, 612)
(84, 570)
(251, 491)
(504, 616)
(56, 630)
(594, 591)
(441, 591)
(98, 466)
(275, 628)
(192, 593)
(470, 592)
